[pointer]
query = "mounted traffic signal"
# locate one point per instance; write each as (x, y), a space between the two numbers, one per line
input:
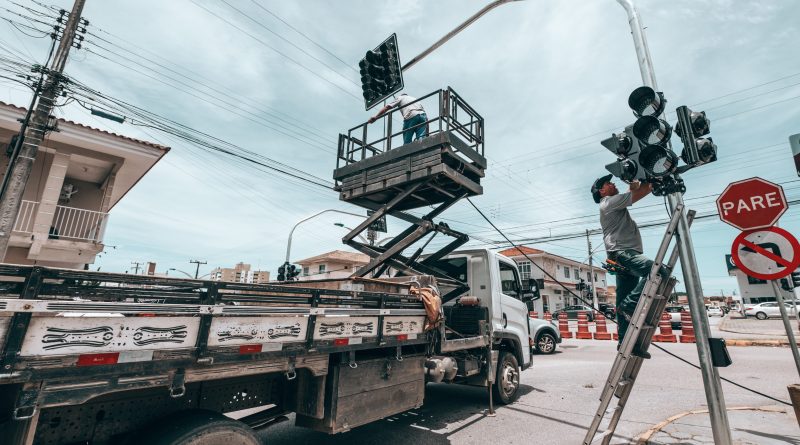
(697, 150)
(381, 73)
(282, 272)
(795, 278)
(644, 101)
(627, 149)
(293, 272)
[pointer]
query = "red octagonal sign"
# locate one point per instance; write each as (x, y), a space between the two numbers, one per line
(751, 204)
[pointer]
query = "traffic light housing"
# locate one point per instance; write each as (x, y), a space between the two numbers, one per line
(786, 284)
(282, 272)
(692, 126)
(293, 272)
(627, 149)
(381, 73)
(795, 278)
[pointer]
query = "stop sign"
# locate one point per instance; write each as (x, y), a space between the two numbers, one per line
(751, 204)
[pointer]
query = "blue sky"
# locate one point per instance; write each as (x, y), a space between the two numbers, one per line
(551, 79)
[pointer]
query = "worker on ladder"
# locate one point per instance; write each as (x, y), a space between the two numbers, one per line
(623, 244)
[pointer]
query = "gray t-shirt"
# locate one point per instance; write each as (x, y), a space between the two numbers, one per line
(409, 111)
(620, 232)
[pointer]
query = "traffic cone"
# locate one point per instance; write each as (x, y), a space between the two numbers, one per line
(687, 328)
(548, 316)
(601, 332)
(665, 328)
(583, 327)
(534, 314)
(563, 325)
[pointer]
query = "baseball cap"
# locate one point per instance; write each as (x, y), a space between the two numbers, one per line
(598, 184)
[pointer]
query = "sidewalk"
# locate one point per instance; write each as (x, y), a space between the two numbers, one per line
(772, 327)
(763, 425)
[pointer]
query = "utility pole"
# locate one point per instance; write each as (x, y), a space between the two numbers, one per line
(11, 198)
(595, 303)
(197, 269)
(136, 265)
(691, 275)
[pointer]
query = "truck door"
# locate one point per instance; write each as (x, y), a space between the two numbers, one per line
(514, 311)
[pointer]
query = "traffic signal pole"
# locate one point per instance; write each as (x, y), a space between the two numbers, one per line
(18, 175)
(691, 275)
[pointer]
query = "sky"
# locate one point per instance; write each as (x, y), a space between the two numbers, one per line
(550, 78)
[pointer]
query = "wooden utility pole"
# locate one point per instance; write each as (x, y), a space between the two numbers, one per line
(197, 269)
(11, 198)
(136, 265)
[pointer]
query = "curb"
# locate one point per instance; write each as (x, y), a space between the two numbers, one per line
(642, 439)
(756, 342)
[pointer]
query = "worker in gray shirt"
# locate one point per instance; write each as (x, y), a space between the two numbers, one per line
(624, 246)
(415, 121)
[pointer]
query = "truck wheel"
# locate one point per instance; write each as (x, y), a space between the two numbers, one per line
(506, 381)
(546, 343)
(198, 427)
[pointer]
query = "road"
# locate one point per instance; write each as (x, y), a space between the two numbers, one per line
(560, 395)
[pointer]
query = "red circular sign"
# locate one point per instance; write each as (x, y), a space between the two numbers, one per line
(764, 248)
(751, 204)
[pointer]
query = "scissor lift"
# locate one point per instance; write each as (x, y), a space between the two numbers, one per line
(433, 172)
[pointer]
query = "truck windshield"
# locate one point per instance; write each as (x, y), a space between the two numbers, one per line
(508, 280)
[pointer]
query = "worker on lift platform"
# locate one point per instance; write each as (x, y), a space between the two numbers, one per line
(415, 121)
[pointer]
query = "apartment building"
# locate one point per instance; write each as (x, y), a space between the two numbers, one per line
(567, 271)
(240, 273)
(80, 173)
(335, 264)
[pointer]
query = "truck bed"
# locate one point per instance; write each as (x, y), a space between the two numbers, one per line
(66, 328)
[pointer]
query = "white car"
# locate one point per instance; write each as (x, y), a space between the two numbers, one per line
(714, 310)
(762, 311)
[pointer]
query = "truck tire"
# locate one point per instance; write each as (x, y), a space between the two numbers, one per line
(545, 343)
(197, 427)
(506, 381)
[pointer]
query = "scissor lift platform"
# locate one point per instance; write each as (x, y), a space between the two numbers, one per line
(446, 165)
(433, 172)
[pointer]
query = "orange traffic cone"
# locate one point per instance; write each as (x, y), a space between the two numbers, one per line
(687, 328)
(601, 332)
(583, 327)
(534, 314)
(563, 325)
(548, 316)
(665, 327)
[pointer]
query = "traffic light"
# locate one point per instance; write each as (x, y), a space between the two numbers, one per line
(627, 148)
(697, 150)
(381, 73)
(795, 278)
(786, 284)
(282, 272)
(293, 272)
(652, 132)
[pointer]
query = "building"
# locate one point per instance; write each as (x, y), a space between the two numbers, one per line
(569, 272)
(751, 290)
(335, 264)
(240, 273)
(80, 173)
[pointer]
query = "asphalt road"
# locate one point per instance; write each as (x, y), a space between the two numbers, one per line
(559, 397)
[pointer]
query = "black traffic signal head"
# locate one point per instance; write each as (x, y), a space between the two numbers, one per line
(625, 169)
(786, 284)
(619, 143)
(381, 73)
(697, 150)
(658, 160)
(796, 278)
(700, 124)
(644, 101)
(651, 130)
(627, 149)
(282, 272)
(293, 272)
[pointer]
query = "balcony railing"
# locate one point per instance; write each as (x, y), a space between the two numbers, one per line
(78, 224)
(25, 217)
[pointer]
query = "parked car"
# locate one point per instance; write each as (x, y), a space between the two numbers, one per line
(715, 311)
(675, 315)
(573, 311)
(544, 336)
(762, 311)
(609, 310)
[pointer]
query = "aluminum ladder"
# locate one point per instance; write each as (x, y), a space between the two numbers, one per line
(643, 325)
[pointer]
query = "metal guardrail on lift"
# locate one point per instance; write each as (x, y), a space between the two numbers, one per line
(452, 114)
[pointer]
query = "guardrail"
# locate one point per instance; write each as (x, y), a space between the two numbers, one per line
(26, 216)
(446, 112)
(78, 224)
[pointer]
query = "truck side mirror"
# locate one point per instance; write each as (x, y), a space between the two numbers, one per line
(530, 290)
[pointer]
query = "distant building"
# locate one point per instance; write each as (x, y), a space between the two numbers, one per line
(569, 272)
(335, 264)
(80, 173)
(240, 273)
(752, 290)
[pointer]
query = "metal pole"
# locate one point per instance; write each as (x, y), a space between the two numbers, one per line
(786, 324)
(11, 199)
(691, 275)
(455, 31)
(289, 242)
(595, 303)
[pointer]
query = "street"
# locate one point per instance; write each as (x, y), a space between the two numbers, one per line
(560, 395)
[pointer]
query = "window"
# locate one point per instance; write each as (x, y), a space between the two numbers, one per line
(557, 291)
(751, 280)
(305, 271)
(525, 269)
(566, 272)
(321, 268)
(588, 276)
(509, 281)
(577, 274)
(595, 276)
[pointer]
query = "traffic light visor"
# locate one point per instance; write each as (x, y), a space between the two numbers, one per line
(644, 101)
(652, 130)
(658, 161)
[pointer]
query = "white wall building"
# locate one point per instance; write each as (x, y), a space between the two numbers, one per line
(752, 290)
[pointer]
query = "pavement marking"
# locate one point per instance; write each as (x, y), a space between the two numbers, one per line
(643, 438)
